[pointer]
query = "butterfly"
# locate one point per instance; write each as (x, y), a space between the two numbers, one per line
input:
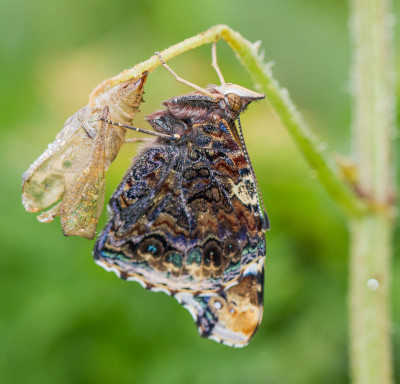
(188, 218)
(69, 176)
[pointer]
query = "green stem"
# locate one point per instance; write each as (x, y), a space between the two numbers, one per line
(370, 347)
(313, 149)
(371, 235)
(368, 201)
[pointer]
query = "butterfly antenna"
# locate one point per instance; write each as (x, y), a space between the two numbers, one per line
(214, 62)
(183, 81)
(262, 211)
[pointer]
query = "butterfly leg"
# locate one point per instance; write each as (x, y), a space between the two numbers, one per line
(183, 81)
(135, 140)
(214, 62)
(141, 130)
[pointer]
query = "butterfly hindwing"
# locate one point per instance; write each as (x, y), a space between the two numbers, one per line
(177, 223)
(186, 220)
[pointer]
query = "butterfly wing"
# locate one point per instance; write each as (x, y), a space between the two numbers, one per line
(186, 220)
(232, 315)
(143, 240)
(178, 221)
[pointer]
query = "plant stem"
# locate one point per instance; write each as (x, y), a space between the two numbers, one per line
(313, 149)
(370, 347)
(369, 201)
(371, 235)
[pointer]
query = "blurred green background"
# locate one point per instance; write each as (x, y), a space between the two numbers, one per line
(65, 320)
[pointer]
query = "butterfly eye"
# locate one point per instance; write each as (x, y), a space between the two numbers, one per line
(231, 250)
(194, 257)
(175, 258)
(212, 253)
(235, 101)
(230, 246)
(151, 246)
(217, 303)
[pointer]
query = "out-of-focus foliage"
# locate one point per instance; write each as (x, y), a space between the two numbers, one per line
(65, 320)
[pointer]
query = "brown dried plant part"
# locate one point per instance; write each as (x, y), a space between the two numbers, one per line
(69, 175)
(82, 203)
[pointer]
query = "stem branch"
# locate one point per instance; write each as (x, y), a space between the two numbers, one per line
(369, 200)
(313, 149)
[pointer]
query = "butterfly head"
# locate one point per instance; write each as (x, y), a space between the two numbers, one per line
(236, 97)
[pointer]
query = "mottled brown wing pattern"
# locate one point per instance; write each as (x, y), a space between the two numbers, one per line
(231, 315)
(175, 224)
(187, 219)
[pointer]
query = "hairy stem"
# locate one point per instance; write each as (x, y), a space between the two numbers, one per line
(370, 347)
(368, 200)
(313, 149)
(371, 235)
